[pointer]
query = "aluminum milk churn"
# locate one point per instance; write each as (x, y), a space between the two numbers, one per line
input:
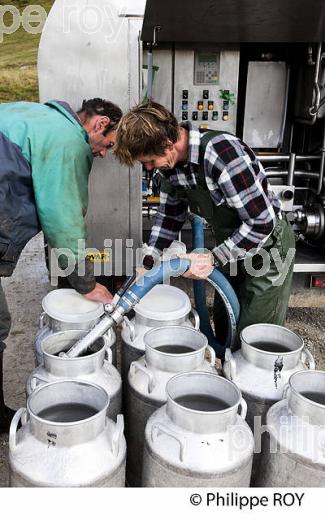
(94, 367)
(66, 439)
(163, 305)
(65, 309)
(169, 351)
(294, 444)
(269, 355)
(198, 439)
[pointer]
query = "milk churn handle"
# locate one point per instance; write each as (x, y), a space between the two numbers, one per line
(196, 317)
(285, 391)
(243, 406)
(229, 366)
(127, 323)
(307, 356)
(42, 319)
(151, 380)
(117, 435)
(212, 355)
(109, 337)
(35, 378)
(167, 431)
(108, 351)
(21, 414)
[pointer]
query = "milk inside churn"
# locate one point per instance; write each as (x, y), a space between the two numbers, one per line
(269, 355)
(163, 305)
(293, 448)
(66, 439)
(95, 366)
(65, 309)
(198, 439)
(169, 351)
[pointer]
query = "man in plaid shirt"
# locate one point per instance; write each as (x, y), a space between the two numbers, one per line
(220, 178)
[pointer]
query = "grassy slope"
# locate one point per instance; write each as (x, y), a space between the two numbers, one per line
(18, 56)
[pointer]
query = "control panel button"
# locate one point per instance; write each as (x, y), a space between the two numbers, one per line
(225, 115)
(195, 115)
(185, 94)
(225, 105)
(184, 116)
(205, 116)
(205, 94)
(215, 115)
(184, 105)
(211, 105)
(200, 105)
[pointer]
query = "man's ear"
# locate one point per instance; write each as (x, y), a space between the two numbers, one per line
(102, 123)
(169, 144)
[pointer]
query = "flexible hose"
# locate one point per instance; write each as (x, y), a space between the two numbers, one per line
(222, 286)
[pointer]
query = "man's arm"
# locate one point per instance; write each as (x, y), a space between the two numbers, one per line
(61, 191)
(169, 220)
(244, 187)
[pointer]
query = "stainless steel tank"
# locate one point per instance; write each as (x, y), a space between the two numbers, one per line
(198, 439)
(163, 305)
(269, 355)
(65, 309)
(146, 389)
(66, 439)
(95, 367)
(294, 444)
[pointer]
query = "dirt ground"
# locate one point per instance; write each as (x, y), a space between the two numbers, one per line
(29, 284)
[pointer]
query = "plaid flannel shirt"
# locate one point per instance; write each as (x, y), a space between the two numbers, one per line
(234, 178)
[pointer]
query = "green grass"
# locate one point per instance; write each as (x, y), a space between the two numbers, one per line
(18, 58)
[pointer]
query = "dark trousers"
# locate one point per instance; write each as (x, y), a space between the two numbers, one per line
(263, 299)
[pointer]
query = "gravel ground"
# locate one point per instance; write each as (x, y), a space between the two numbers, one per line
(26, 288)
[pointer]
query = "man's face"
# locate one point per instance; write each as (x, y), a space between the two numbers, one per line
(100, 143)
(160, 162)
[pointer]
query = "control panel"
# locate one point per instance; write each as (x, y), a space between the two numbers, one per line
(205, 88)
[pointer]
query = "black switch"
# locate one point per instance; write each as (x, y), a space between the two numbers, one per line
(185, 94)
(184, 116)
(184, 105)
(205, 116)
(195, 116)
(225, 116)
(205, 94)
(215, 115)
(225, 105)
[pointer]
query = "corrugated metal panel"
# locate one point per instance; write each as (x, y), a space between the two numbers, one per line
(235, 20)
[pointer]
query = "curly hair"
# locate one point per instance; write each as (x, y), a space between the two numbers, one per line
(145, 130)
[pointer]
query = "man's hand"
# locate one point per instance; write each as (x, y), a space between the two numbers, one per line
(99, 294)
(201, 265)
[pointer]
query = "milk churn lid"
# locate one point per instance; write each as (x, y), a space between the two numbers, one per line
(164, 302)
(69, 306)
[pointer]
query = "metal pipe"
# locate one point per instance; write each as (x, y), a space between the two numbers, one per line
(150, 71)
(313, 109)
(322, 165)
(291, 169)
(286, 157)
(298, 174)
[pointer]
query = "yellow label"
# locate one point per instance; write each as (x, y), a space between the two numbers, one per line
(98, 256)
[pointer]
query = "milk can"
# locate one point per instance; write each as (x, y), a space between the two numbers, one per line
(198, 439)
(169, 351)
(65, 309)
(294, 445)
(94, 367)
(269, 355)
(66, 439)
(163, 305)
